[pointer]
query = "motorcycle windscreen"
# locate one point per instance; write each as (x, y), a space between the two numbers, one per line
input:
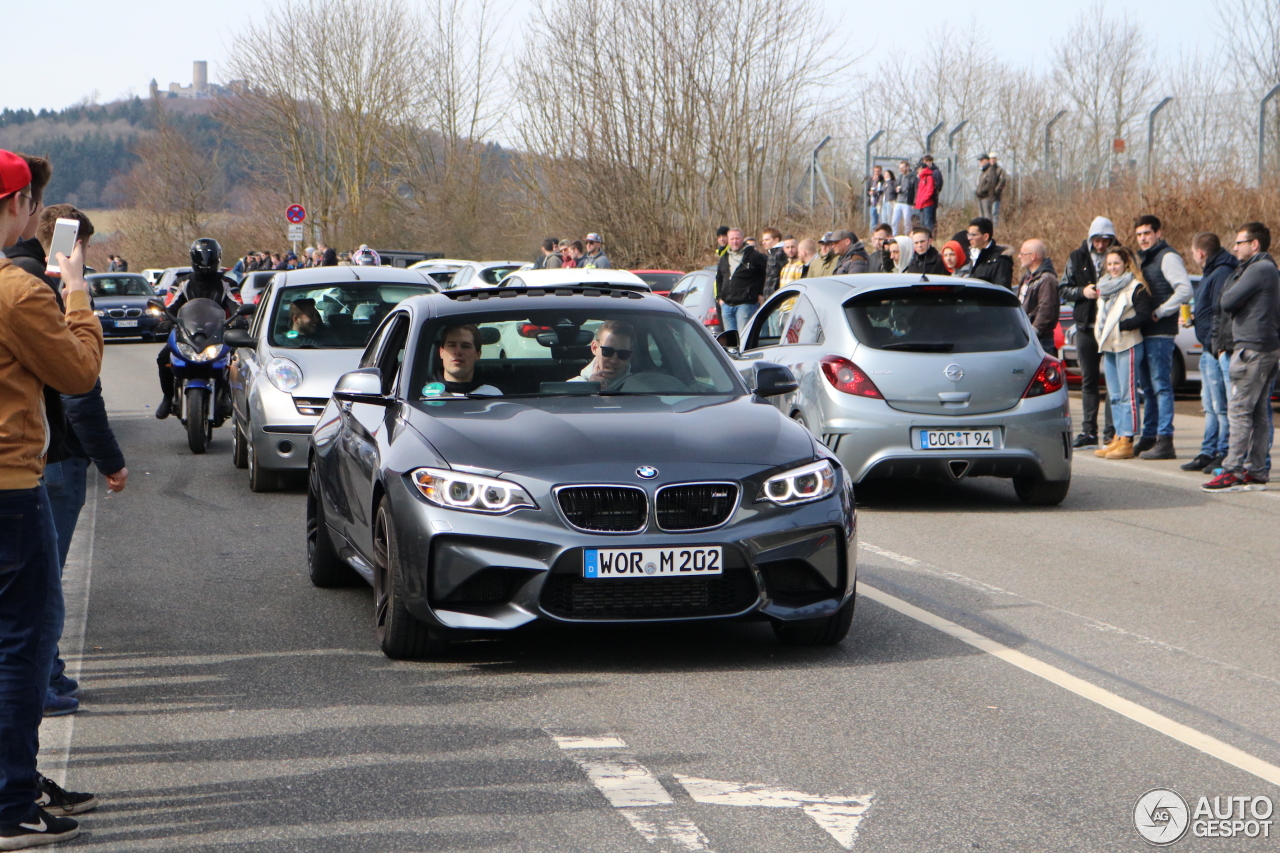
(203, 319)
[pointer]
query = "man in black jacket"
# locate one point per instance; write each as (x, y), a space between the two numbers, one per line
(771, 242)
(1170, 287)
(1251, 303)
(1216, 265)
(852, 254)
(926, 259)
(739, 281)
(1083, 268)
(987, 260)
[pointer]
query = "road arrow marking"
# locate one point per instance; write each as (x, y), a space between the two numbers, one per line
(634, 791)
(839, 816)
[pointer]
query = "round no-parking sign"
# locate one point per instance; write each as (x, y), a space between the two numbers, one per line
(296, 214)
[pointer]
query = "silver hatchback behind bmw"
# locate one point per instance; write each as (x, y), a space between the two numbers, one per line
(911, 376)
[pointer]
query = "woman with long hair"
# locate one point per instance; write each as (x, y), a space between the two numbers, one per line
(1124, 305)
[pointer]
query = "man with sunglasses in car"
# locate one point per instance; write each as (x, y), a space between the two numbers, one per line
(612, 349)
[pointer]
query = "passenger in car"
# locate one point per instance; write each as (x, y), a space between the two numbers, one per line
(612, 349)
(305, 325)
(455, 373)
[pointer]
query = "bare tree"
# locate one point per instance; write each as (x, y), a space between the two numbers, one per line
(1103, 66)
(644, 123)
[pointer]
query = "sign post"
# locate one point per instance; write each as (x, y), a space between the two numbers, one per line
(296, 214)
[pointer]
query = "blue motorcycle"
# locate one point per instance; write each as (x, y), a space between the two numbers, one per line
(199, 361)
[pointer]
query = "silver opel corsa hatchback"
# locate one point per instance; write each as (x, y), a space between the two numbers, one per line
(911, 376)
(614, 469)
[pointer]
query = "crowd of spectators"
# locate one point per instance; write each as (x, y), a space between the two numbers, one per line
(586, 254)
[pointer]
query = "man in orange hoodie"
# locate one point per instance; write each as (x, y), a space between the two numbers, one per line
(39, 345)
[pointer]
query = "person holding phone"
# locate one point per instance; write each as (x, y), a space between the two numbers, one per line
(39, 345)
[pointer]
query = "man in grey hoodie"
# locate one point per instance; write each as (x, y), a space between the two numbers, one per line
(1250, 301)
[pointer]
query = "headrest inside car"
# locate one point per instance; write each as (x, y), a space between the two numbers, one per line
(489, 335)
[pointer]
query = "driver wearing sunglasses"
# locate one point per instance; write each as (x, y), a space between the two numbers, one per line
(612, 350)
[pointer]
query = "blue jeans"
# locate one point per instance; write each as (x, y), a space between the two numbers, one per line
(1157, 387)
(1213, 398)
(28, 578)
(65, 482)
(928, 216)
(1122, 369)
(738, 316)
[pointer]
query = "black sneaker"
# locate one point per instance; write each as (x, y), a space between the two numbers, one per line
(60, 802)
(1084, 440)
(1198, 464)
(41, 828)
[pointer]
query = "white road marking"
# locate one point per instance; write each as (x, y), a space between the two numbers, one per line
(1184, 734)
(56, 733)
(839, 816)
(634, 791)
(1089, 621)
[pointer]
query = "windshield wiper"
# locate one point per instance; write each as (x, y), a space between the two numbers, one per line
(921, 346)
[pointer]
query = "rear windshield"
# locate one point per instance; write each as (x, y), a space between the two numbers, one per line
(335, 316)
(945, 318)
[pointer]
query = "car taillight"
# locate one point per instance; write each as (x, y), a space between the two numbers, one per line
(847, 377)
(1049, 378)
(529, 330)
(712, 318)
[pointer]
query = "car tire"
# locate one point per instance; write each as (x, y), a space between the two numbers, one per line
(400, 634)
(260, 480)
(239, 449)
(1037, 491)
(326, 568)
(826, 631)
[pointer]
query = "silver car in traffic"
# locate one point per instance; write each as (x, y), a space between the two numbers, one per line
(309, 328)
(911, 376)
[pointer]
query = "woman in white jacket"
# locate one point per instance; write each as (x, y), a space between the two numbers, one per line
(1124, 305)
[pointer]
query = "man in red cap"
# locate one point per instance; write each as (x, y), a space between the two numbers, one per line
(39, 345)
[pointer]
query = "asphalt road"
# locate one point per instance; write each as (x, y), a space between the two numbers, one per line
(1014, 681)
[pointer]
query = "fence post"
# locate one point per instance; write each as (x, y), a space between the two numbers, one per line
(955, 165)
(1262, 130)
(928, 140)
(1151, 138)
(813, 172)
(1048, 148)
(867, 174)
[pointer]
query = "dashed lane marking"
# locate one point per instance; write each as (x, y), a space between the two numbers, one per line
(1184, 734)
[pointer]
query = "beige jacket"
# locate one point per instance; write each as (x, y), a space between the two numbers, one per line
(38, 346)
(1106, 329)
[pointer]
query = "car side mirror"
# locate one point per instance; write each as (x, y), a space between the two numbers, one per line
(362, 386)
(728, 340)
(246, 310)
(774, 379)
(236, 338)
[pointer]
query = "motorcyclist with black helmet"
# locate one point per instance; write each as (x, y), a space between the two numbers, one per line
(206, 282)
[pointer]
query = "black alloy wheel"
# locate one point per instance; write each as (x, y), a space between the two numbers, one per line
(324, 565)
(400, 634)
(260, 480)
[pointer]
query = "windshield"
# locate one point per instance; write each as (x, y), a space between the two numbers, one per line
(660, 280)
(201, 316)
(495, 275)
(121, 286)
(555, 353)
(945, 318)
(335, 316)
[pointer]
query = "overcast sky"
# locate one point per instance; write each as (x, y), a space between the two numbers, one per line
(115, 48)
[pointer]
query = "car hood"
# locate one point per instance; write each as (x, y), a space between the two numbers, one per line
(105, 303)
(320, 368)
(606, 432)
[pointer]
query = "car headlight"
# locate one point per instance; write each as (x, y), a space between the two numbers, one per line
(154, 311)
(807, 483)
(470, 492)
(284, 374)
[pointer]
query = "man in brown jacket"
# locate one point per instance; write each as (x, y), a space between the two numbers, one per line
(1039, 292)
(39, 345)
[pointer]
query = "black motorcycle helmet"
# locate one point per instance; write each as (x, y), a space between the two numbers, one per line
(206, 255)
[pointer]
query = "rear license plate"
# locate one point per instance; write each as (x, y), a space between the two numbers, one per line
(957, 439)
(604, 563)
(126, 324)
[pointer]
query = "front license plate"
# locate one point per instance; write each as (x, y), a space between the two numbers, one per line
(126, 324)
(958, 439)
(603, 563)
